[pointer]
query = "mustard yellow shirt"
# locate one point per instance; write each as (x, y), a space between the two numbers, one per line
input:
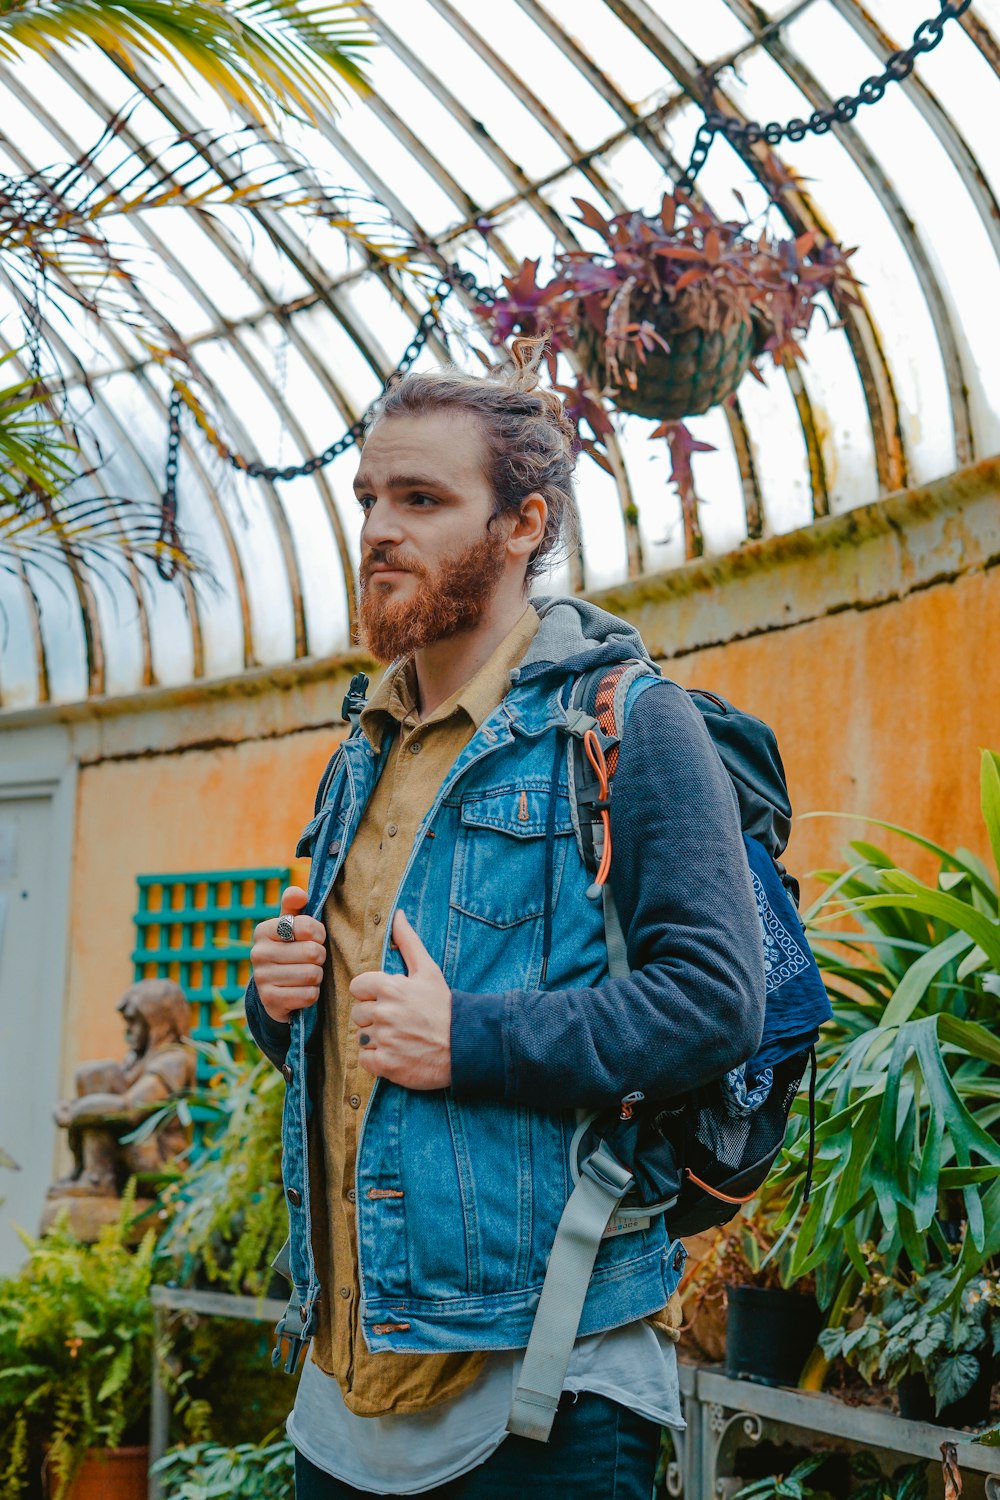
(358, 905)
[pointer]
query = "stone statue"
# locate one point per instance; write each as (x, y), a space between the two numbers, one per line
(113, 1098)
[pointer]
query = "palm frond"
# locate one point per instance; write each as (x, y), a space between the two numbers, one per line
(261, 58)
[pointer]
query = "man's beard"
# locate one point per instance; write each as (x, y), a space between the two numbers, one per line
(448, 599)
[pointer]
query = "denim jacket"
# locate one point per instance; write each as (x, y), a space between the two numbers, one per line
(480, 1172)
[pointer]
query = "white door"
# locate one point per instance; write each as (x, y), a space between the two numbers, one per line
(31, 1004)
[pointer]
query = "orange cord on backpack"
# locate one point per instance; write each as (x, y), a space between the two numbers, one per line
(595, 755)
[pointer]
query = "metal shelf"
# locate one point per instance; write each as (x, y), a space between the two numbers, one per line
(716, 1408)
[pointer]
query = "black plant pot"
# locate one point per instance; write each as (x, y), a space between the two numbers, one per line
(971, 1410)
(769, 1333)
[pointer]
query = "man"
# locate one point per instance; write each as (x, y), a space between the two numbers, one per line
(466, 1015)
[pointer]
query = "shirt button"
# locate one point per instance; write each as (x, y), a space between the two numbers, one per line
(345, 1291)
(294, 1197)
(355, 1101)
(377, 918)
(416, 747)
(392, 830)
(351, 1195)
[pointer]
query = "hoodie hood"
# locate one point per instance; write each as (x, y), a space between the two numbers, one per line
(575, 635)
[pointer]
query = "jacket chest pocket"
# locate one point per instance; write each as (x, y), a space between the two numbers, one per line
(500, 858)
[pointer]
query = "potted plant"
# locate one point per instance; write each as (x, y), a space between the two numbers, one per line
(211, 1471)
(907, 1144)
(669, 312)
(740, 1306)
(939, 1361)
(76, 1341)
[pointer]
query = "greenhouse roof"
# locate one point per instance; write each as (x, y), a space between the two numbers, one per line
(484, 123)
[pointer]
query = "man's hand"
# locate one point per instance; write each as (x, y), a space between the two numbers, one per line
(407, 1017)
(288, 975)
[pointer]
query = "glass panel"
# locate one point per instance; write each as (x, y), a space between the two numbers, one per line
(609, 43)
(19, 683)
(61, 628)
(953, 234)
(248, 506)
(601, 525)
(474, 82)
(709, 28)
(396, 165)
(779, 452)
(437, 128)
(891, 288)
(547, 71)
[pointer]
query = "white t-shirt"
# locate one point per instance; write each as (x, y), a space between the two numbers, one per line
(407, 1454)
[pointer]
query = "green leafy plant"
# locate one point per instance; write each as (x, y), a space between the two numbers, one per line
(901, 1333)
(227, 1211)
(906, 1482)
(210, 1471)
(790, 1486)
(76, 1341)
(264, 59)
(908, 1090)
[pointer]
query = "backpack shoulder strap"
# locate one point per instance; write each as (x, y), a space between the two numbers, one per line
(598, 705)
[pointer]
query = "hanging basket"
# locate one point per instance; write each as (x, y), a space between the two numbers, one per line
(711, 339)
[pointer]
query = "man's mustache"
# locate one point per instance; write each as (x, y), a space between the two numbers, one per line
(386, 557)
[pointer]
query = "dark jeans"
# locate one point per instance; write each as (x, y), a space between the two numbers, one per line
(597, 1451)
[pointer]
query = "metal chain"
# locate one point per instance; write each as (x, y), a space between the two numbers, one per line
(899, 66)
(167, 568)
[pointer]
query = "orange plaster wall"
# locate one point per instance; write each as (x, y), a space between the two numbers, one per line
(233, 807)
(878, 711)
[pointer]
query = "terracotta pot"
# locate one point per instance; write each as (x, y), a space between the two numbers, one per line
(110, 1474)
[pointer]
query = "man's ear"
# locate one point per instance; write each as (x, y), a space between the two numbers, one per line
(528, 531)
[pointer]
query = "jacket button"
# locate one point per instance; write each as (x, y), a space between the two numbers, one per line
(294, 1197)
(678, 1257)
(335, 847)
(287, 1073)
(351, 1195)
(355, 1101)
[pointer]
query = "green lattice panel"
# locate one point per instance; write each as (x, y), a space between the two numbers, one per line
(197, 928)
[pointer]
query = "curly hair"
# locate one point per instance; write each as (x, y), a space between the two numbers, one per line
(530, 441)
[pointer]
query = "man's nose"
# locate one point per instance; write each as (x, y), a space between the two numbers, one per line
(382, 527)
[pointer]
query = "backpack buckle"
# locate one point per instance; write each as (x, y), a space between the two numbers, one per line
(578, 722)
(293, 1331)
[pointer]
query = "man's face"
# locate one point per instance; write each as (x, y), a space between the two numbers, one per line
(429, 566)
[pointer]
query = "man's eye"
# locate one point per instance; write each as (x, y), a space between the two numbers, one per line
(423, 501)
(366, 501)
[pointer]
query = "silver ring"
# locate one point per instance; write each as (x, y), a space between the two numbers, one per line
(286, 928)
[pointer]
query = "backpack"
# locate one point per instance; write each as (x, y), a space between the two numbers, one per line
(697, 1157)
